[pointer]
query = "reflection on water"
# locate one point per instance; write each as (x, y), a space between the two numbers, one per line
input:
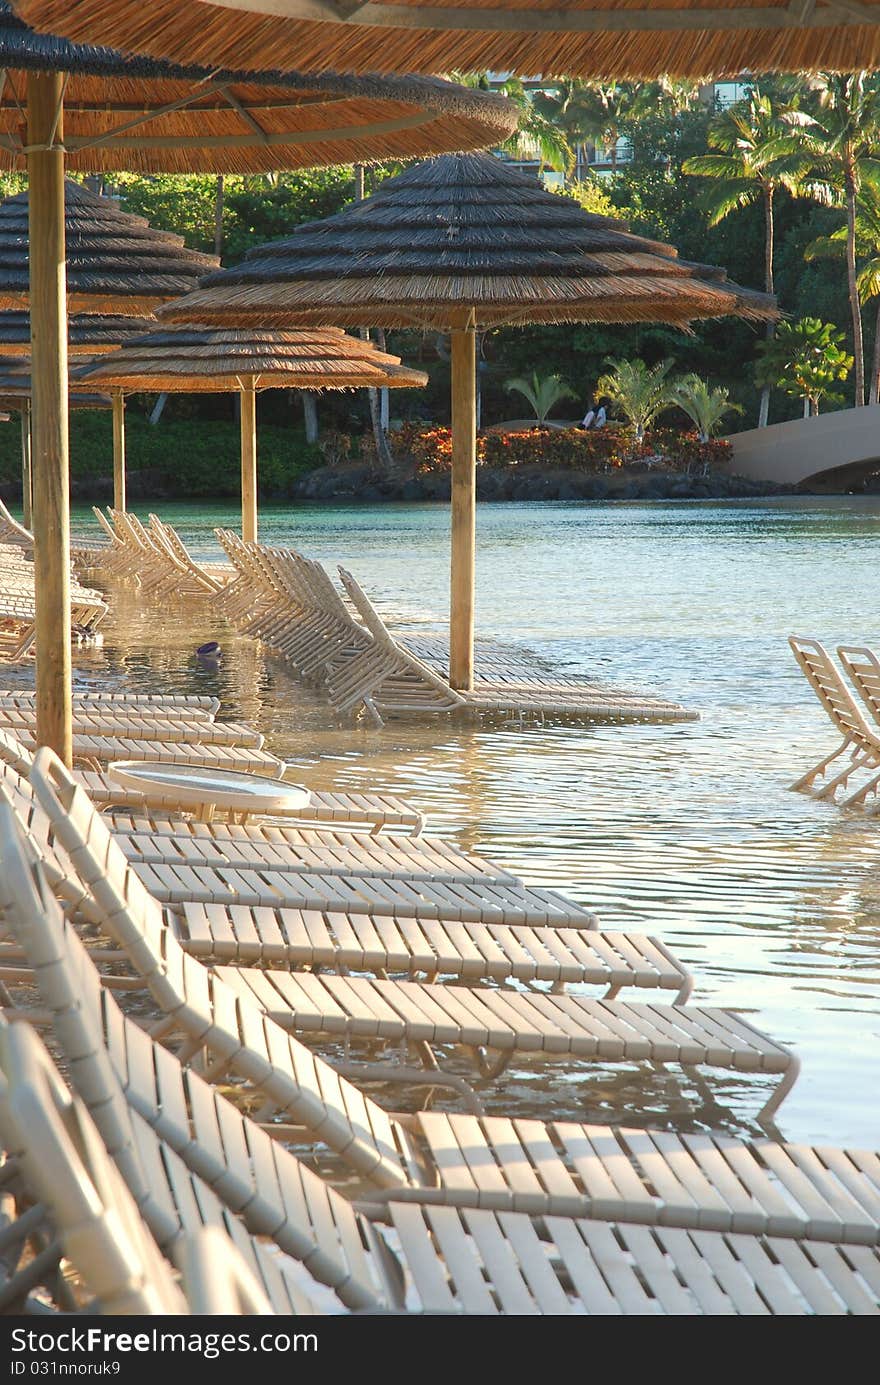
(687, 831)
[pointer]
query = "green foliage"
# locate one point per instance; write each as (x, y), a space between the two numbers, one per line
(704, 406)
(185, 458)
(638, 392)
(806, 359)
(542, 392)
(590, 194)
(256, 208)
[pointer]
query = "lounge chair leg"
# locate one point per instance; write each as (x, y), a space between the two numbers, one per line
(839, 781)
(772, 1105)
(371, 708)
(491, 1068)
(803, 784)
(396, 1072)
(861, 794)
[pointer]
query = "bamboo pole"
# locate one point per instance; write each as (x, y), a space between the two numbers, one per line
(248, 462)
(118, 450)
(26, 478)
(464, 509)
(51, 510)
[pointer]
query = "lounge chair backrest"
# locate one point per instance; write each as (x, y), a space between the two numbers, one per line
(218, 1283)
(16, 533)
(380, 632)
(824, 678)
(106, 525)
(863, 668)
(301, 1081)
(14, 759)
(65, 1161)
(106, 1049)
(14, 754)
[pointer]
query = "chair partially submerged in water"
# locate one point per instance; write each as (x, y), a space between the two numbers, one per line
(863, 667)
(859, 748)
(489, 1021)
(409, 684)
(341, 940)
(696, 1211)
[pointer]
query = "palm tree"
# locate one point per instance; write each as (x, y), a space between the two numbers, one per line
(806, 359)
(640, 392)
(704, 406)
(842, 137)
(758, 152)
(542, 392)
(868, 274)
(566, 109)
(594, 112)
(537, 135)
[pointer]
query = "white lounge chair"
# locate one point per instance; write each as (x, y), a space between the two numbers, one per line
(450, 1258)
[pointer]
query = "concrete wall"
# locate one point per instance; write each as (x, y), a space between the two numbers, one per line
(793, 452)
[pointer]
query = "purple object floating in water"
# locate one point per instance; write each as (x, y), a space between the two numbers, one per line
(211, 650)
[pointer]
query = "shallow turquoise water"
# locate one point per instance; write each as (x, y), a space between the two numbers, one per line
(687, 831)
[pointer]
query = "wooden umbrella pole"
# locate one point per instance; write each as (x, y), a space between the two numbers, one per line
(118, 450)
(26, 479)
(248, 462)
(48, 312)
(464, 508)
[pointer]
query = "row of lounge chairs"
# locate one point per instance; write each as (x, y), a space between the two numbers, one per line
(858, 753)
(18, 611)
(338, 640)
(486, 1018)
(459, 1213)
(341, 643)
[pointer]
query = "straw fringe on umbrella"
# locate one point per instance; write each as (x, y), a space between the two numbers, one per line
(116, 262)
(192, 359)
(87, 335)
(591, 38)
(459, 244)
(137, 114)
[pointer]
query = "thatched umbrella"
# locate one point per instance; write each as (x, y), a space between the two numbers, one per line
(463, 243)
(139, 115)
(87, 335)
(119, 268)
(15, 396)
(594, 38)
(135, 113)
(191, 359)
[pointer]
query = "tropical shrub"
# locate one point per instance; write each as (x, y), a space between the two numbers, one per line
(429, 449)
(542, 392)
(638, 392)
(704, 406)
(806, 359)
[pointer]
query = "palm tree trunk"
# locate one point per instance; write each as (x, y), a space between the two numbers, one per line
(874, 393)
(852, 283)
(769, 239)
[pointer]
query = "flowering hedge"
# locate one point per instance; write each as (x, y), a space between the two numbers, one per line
(429, 449)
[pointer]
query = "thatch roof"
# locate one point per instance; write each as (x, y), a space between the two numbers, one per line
(116, 262)
(191, 358)
(87, 335)
(15, 387)
(116, 114)
(461, 232)
(596, 38)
